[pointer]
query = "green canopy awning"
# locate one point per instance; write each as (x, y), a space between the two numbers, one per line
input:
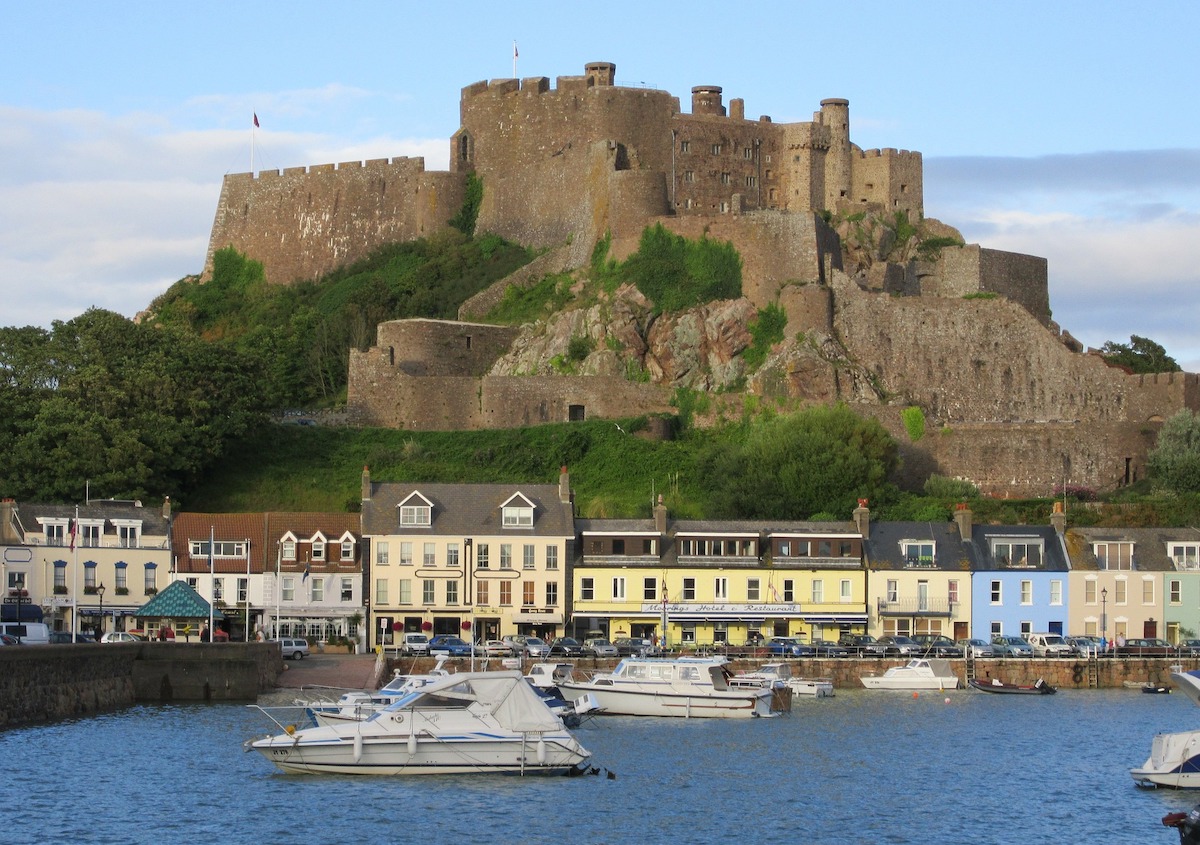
(178, 601)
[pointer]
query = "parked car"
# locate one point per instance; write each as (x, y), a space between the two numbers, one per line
(120, 637)
(979, 648)
(936, 645)
(599, 647)
(1010, 645)
(1085, 646)
(1050, 645)
(864, 645)
(413, 643)
(789, 647)
(828, 648)
(523, 644)
(636, 647)
(451, 645)
(1145, 647)
(494, 648)
(1189, 648)
(900, 646)
(566, 647)
(293, 649)
(68, 637)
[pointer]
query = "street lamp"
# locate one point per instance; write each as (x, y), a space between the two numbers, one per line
(1104, 616)
(100, 593)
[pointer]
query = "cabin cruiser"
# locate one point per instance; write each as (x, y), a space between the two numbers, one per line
(693, 687)
(465, 722)
(1174, 757)
(919, 673)
(353, 705)
(779, 675)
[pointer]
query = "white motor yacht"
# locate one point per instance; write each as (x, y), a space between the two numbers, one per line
(919, 673)
(692, 687)
(1174, 759)
(466, 722)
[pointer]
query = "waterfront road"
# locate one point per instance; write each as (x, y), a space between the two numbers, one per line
(351, 671)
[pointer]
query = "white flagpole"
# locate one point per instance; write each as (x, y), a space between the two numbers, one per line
(212, 581)
(514, 76)
(278, 557)
(75, 578)
(253, 127)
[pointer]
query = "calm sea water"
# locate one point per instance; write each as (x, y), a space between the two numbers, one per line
(860, 767)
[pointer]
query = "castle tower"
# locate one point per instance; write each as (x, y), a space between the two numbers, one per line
(600, 73)
(835, 116)
(706, 99)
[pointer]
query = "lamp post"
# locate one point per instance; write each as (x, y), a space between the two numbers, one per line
(100, 593)
(1104, 616)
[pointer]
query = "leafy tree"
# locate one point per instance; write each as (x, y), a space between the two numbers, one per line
(1174, 463)
(676, 273)
(1140, 355)
(822, 459)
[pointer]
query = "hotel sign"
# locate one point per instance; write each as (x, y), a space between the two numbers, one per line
(723, 608)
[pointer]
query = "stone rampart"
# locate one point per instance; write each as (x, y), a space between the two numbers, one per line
(972, 269)
(304, 222)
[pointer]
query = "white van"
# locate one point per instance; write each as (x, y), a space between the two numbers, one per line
(29, 633)
(1049, 645)
(414, 643)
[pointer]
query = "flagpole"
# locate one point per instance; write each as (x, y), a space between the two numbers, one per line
(75, 579)
(278, 557)
(514, 76)
(212, 581)
(252, 134)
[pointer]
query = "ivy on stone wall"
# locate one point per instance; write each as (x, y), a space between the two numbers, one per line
(914, 422)
(465, 220)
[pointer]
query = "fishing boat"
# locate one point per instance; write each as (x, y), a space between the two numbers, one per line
(690, 687)
(920, 673)
(1174, 759)
(1038, 687)
(467, 722)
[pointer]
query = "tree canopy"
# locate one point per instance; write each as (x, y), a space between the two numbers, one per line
(1140, 355)
(132, 410)
(1174, 463)
(818, 461)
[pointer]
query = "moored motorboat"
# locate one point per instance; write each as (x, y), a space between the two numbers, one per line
(1174, 759)
(780, 674)
(692, 687)
(466, 722)
(921, 673)
(1038, 687)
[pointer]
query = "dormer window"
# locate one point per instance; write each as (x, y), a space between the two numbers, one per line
(918, 553)
(1018, 553)
(517, 512)
(1114, 555)
(416, 511)
(1185, 555)
(289, 549)
(318, 549)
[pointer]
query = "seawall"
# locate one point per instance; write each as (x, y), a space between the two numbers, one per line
(46, 683)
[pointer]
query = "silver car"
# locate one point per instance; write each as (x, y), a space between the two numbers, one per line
(979, 648)
(599, 647)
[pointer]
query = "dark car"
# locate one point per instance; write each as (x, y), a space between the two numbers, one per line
(900, 646)
(453, 646)
(864, 645)
(1189, 648)
(938, 646)
(828, 648)
(636, 647)
(68, 637)
(1145, 647)
(789, 647)
(566, 647)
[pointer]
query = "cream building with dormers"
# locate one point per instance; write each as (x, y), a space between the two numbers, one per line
(84, 568)
(478, 561)
(701, 584)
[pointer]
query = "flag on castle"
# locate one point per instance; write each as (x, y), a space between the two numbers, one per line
(515, 53)
(255, 120)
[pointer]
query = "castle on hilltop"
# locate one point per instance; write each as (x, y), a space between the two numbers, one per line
(1012, 403)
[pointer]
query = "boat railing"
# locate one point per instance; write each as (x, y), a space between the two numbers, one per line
(287, 717)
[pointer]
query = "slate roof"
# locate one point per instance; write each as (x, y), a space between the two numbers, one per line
(1054, 557)
(152, 519)
(885, 552)
(1149, 546)
(466, 509)
(178, 601)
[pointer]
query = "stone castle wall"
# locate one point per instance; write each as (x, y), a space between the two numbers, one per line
(304, 222)
(973, 269)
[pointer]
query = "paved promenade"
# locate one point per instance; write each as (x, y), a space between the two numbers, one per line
(352, 671)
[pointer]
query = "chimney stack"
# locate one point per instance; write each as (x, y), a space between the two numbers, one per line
(365, 492)
(564, 485)
(962, 518)
(660, 516)
(1059, 518)
(862, 519)
(167, 508)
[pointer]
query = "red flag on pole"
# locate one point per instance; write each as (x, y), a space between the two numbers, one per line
(256, 120)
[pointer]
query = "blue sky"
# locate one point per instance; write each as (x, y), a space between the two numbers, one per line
(1064, 129)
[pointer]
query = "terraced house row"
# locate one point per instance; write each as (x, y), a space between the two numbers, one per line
(487, 560)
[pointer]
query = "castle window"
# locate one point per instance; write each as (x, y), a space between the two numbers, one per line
(685, 146)
(904, 189)
(468, 341)
(716, 149)
(723, 207)
(767, 158)
(724, 178)
(747, 152)
(751, 181)
(576, 413)
(689, 176)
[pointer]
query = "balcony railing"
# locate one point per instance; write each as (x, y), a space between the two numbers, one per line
(917, 607)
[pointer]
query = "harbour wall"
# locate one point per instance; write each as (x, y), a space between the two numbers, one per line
(46, 683)
(847, 673)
